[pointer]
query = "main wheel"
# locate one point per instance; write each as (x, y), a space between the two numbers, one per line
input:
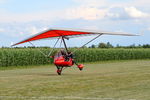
(59, 72)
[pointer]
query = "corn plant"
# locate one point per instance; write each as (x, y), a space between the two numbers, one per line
(31, 56)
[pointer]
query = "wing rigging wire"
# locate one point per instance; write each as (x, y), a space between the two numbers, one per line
(53, 47)
(38, 49)
(50, 51)
(88, 42)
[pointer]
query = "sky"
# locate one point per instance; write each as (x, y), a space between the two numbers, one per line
(20, 19)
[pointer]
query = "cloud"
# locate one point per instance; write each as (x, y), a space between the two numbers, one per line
(85, 10)
(108, 9)
(86, 13)
(126, 13)
(135, 13)
(116, 13)
(95, 13)
(81, 12)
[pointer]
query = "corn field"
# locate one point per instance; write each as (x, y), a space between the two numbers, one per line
(32, 56)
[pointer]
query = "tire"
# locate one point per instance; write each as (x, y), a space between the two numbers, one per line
(59, 72)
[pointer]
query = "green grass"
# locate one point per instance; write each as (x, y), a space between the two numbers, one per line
(125, 80)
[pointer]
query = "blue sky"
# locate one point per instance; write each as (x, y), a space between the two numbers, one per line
(20, 19)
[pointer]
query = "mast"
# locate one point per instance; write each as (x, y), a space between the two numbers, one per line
(65, 44)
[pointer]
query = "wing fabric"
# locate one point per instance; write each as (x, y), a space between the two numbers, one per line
(68, 33)
(52, 34)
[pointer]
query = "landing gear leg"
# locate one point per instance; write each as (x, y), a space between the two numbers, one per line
(59, 70)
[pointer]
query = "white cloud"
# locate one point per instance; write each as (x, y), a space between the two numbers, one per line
(135, 13)
(80, 12)
(100, 9)
(87, 10)
(86, 13)
(125, 13)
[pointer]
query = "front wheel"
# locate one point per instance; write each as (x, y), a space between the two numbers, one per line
(80, 67)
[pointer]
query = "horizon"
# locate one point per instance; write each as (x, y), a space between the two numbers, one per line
(89, 46)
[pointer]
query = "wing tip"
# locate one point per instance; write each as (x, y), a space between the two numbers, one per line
(13, 45)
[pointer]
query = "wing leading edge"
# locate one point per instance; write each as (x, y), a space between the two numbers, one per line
(54, 33)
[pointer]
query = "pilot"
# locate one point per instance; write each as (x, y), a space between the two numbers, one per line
(63, 52)
(70, 55)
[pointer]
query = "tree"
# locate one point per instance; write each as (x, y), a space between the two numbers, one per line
(118, 46)
(102, 45)
(93, 46)
(132, 46)
(146, 46)
(109, 45)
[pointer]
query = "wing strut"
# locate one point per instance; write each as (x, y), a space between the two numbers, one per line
(89, 41)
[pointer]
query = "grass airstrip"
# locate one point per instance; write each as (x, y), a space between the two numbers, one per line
(113, 80)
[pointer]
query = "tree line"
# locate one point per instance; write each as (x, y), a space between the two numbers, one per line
(109, 45)
(100, 45)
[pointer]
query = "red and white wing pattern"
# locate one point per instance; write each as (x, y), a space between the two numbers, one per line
(53, 33)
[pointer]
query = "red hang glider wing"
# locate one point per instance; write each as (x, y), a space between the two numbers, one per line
(67, 33)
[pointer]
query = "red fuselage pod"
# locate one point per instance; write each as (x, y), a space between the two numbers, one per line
(61, 61)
